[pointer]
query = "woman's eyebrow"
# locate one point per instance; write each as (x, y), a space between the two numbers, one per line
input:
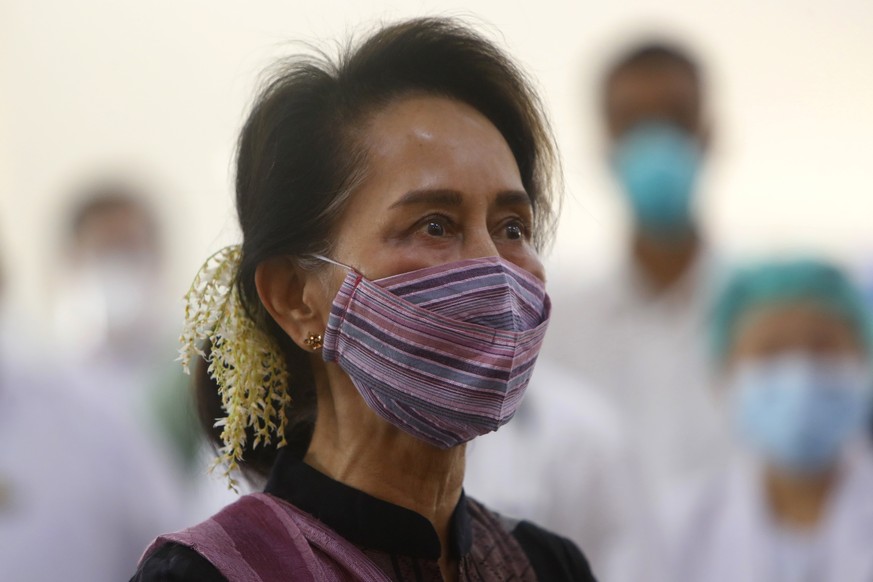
(438, 197)
(447, 197)
(512, 198)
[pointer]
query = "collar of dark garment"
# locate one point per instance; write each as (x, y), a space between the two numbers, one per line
(363, 519)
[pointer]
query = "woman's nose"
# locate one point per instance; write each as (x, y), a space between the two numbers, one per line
(479, 244)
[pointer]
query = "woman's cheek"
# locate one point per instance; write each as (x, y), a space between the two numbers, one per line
(524, 256)
(402, 259)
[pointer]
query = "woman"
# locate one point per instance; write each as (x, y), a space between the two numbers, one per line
(793, 339)
(386, 306)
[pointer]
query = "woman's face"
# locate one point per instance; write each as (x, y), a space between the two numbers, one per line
(441, 186)
(772, 331)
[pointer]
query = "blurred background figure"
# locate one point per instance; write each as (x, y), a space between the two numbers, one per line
(115, 318)
(594, 461)
(793, 348)
(75, 479)
(111, 282)
(638, 334)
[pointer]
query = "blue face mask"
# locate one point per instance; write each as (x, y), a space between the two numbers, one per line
(798, 411)
(657, 165)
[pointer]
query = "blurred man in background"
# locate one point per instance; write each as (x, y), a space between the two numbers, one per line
(639, 334)
(594, 468)
(110, 302)
(116, 319)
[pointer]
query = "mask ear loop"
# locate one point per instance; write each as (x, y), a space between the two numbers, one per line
(358, 274)
(331, 261)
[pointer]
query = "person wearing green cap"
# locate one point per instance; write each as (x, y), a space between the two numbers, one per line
(791, 342)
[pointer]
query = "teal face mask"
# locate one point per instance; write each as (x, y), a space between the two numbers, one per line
(657, 165)
(798, 411)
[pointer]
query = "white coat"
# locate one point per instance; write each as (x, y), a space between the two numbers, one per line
(646, 352)
(81, 494)
(562, 463)
(726, 533)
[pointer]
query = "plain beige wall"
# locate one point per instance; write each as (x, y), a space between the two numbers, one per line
(160, 88)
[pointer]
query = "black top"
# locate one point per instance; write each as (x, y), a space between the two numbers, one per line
(394, 533)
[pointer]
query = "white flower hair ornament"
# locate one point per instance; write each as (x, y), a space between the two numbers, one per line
(245, 362)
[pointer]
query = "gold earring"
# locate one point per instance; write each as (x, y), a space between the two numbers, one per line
(314, 341)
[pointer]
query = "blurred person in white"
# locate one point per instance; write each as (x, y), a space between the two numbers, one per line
(638, 334)
(75, 505)
(792, 341)
(563, 462)
(111, 308)
(115, 317)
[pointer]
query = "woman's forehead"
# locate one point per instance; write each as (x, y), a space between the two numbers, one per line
(420, 117)
(428, 142)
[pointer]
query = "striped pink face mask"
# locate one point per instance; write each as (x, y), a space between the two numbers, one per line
(444, 353)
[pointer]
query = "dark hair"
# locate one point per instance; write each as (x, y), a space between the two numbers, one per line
(651, 54)
(654, 53)
(300, 154)
(104, 196)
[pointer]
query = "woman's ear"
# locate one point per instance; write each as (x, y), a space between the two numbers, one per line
(288, 293)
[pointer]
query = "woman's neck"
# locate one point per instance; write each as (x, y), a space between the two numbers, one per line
(379, 459)
(799, 502)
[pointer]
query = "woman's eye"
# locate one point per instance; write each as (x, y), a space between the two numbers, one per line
(515, 230)
(435, 228)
